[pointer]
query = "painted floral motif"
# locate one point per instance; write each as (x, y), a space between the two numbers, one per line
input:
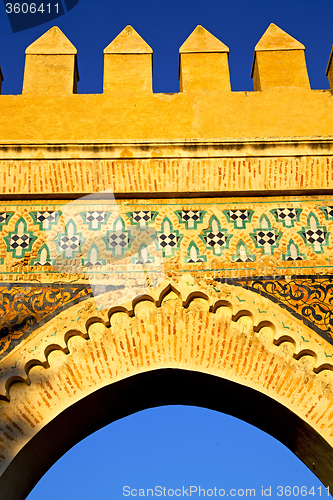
(308, 298)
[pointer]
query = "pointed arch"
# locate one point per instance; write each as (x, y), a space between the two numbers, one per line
(258, 358)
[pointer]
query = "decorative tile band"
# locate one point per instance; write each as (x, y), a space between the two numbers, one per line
(89, 240)
(54, 253)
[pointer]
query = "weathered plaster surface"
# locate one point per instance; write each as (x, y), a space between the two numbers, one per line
(232, 191)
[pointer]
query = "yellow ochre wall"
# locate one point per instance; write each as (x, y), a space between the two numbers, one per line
(235, 293)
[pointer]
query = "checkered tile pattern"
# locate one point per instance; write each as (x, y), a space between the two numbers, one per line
(142, 216)
(143, 261)
(46, 217)
(216, 239)
(69, 243)
(168, 240)
(190, 216)
(329, 211)
(239, 217)
(46, 263)
(248, 259)
(194, 261)
(315, 237)
(91, 264)
(19, 241)
(286, 215)
(266, 237)
(95, 217)
(3, 217)
(118, 241)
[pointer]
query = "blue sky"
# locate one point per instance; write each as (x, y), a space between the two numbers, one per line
(174, 446)
(165, 24)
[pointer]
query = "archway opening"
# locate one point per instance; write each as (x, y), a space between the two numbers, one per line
(173, 451)
(159, 388)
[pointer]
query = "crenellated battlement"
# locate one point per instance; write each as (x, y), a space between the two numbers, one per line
(279, 62)
(281, 105)
(51, 65)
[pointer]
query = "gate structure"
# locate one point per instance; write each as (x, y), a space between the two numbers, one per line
(164, 248)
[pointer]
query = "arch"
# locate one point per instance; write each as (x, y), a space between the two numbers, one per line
(234, 352)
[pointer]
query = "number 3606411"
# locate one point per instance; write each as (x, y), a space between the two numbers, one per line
(31, 8)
